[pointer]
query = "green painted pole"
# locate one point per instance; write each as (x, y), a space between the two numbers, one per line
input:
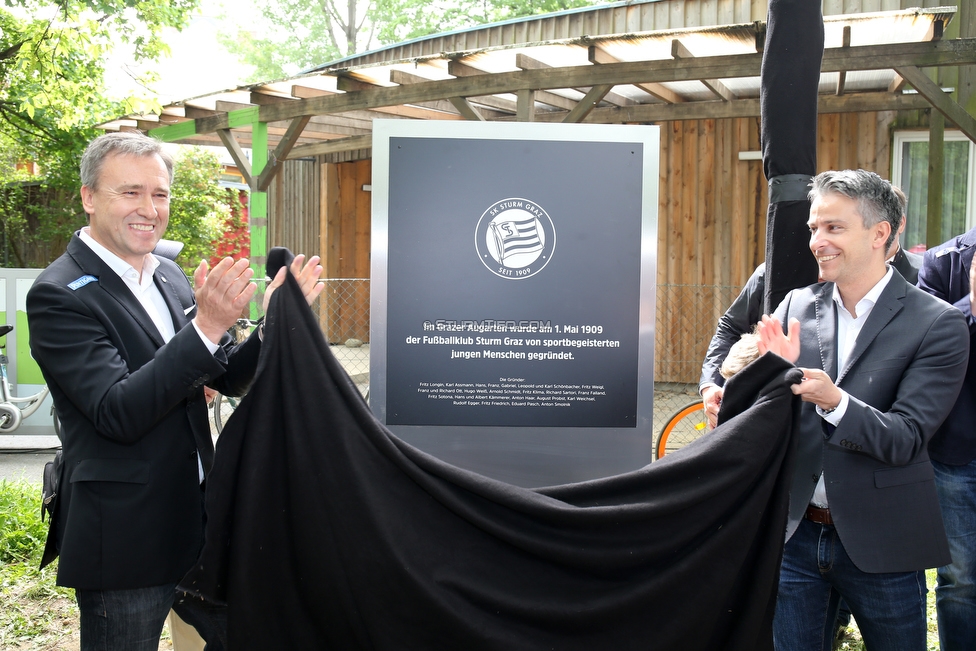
(259, 207)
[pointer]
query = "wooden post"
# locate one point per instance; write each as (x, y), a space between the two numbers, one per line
(966, 90)
(933, 230)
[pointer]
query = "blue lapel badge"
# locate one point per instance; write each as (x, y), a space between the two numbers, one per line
(81, 282)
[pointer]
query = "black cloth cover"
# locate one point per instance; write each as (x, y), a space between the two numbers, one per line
(325, 531)
(789, 83)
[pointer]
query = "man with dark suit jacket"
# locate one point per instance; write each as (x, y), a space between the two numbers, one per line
(882, 362)
(126, 348)
(949, 272)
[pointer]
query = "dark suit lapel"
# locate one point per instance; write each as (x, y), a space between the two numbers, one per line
(827, 329)
(967, 248)
(889, 304)
(114, 286)
(168, 288)
(901, 264)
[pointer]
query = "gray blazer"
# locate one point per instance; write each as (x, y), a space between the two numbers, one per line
(903, 376)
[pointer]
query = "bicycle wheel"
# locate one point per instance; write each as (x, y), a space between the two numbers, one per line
(223, 406)
(686, 425)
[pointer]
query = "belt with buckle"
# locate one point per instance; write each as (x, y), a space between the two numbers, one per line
(818, 515)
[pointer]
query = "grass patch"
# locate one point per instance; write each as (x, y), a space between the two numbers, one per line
(35, 615)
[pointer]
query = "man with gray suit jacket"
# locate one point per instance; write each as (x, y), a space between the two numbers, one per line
(746, 310)
(882, 362)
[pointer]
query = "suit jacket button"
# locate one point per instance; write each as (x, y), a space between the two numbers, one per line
(815, 477)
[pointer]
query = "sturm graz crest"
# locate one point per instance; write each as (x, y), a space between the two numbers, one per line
(515, 238)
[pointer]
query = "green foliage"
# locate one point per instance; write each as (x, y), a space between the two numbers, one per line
(293, 35)
(198, 205)
(52, 55)
(22, 533)
(301, 34)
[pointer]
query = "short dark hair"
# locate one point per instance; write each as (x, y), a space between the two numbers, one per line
(875, 197)
(119, 142)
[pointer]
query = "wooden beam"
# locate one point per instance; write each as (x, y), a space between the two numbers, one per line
(896, 84)
(597, 55)
(465, 109)
(679, 51)
(876, 57)
(504, 107)
(146, 123)
(234, 148)
(588, 103)
(402, 77)
(360, 120)
(437, 110)
(461, 69)
(326, 126)
(525, 62)
(351, 84)
(940, 100)
(333, 146)
(741, 108)
(195, 112)
(526, 106)
(842, 75)
(285, 145)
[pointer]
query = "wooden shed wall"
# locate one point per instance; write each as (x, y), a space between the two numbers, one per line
(345, 248)
(712, 220)
(293, 207)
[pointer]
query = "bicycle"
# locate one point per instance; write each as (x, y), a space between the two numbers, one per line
(11, 414)
(686, 425)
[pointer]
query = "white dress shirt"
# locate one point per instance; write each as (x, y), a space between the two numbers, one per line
(848, 328)
(144, 289)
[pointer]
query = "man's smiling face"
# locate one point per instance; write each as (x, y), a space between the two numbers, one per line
(845, 249)
(129, 206)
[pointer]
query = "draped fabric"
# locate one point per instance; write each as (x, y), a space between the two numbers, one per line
(789, 83)
(325, 531)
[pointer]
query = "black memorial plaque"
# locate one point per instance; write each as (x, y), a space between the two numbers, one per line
(512, 295)
(514, 270)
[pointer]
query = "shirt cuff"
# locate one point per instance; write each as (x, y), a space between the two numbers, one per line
(701, 389)
(833, 416)
(211, 346)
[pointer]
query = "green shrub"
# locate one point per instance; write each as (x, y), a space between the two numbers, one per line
(22, 534)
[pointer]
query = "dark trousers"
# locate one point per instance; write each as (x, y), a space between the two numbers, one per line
(131, 620)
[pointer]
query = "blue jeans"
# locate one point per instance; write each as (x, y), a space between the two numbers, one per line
(955, 595)
(124, 620)
(131, 620)
(816, 573)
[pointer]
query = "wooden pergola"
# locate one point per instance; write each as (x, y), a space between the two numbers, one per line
(872, 62)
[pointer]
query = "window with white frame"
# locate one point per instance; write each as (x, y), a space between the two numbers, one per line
(910, 172)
